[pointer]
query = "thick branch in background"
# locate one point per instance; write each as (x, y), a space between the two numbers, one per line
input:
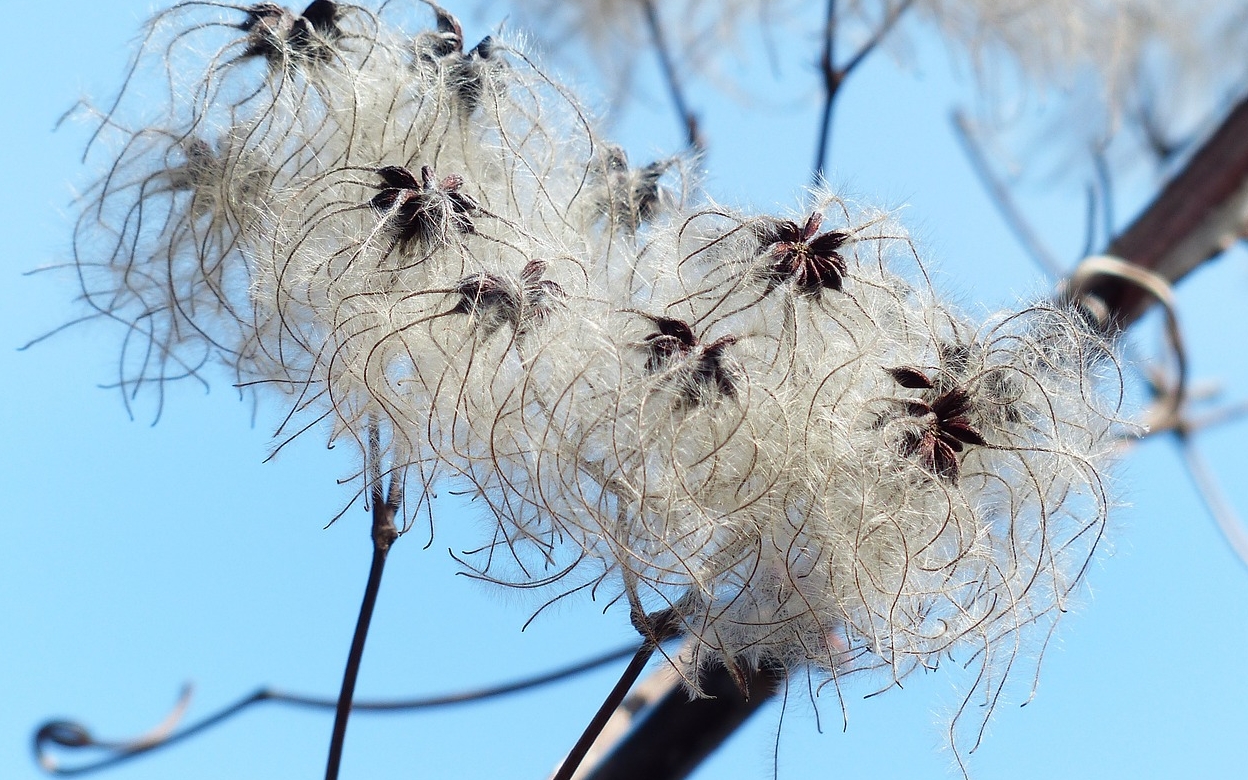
(679, 733)
(1197, 215)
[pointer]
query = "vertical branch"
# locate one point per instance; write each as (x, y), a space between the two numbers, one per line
(384, 505)
(834, 77)
(670, 75)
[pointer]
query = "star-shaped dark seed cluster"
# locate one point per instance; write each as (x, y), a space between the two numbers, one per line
(996, 389)
(425, 212)
(943, 426)
(632, 196)
(276, 33)
(494, 301)
(799, 254)
(699, 371)
(466, 72)
(541, 296)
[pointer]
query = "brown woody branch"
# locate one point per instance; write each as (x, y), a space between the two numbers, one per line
(1198, 214)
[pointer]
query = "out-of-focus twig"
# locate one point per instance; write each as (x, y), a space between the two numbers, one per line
(667, 64)
(1002, 199)
(834, 75)
(1170, 417)
(69, 735)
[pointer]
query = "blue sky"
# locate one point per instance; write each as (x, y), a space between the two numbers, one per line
(134, 557)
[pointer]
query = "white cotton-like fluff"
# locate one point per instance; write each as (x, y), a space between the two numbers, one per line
(771, 428)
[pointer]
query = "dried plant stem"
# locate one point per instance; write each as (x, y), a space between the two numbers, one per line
(1001, 197)
(671, 76)
(834, 76)
(679, 733)
(832, 80)
(71, 735)
(384, 508)
(609, 705)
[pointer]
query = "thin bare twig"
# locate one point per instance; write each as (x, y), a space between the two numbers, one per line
(605, 711)
(384, 506)
(834, 77)
(679, 733)
(654, 629)
(1171, 418)
(71, 735)
(1223, 512)
(1002, 199)
(668, 65)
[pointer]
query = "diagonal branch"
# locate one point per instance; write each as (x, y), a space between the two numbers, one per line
(1197, 215)
(679, 733)
(671, 75)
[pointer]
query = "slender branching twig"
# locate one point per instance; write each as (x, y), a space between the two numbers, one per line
(834, 76)
(1000, 196)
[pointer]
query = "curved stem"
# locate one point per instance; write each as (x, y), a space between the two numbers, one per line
(71, 735)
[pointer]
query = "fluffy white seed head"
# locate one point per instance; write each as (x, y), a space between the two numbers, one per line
(771, 425)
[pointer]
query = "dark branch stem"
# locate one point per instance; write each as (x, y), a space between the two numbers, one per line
(605, 711)
(1197, 215)
(832, 80)
(834, 77)
(384, 507)
(73, 736)
(679, 733)
(670, 75)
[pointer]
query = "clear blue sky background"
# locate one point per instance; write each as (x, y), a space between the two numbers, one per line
(135, 557)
